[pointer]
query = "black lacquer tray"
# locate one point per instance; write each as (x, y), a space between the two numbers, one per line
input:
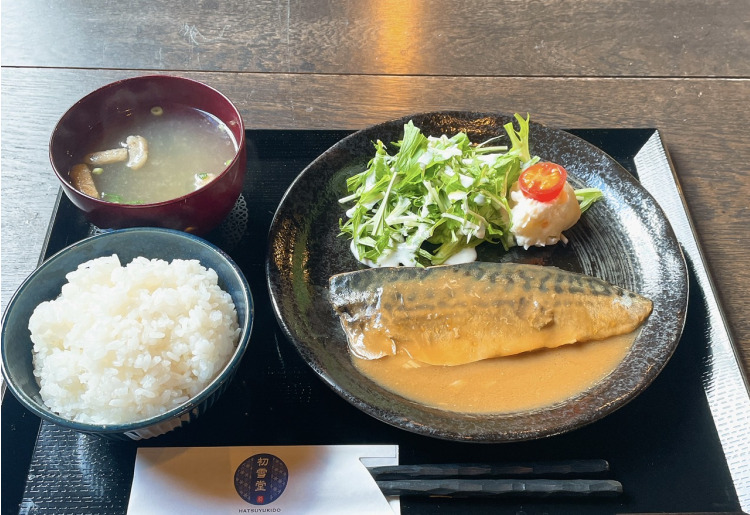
(681, 446)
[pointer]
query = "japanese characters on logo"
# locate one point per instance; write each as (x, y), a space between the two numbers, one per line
(261, 479)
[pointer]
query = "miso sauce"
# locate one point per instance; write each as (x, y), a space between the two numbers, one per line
(502, 385)
(183, 143)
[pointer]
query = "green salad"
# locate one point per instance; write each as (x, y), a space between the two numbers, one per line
(436, 197)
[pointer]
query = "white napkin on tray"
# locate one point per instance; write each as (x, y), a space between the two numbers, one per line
(263, 479)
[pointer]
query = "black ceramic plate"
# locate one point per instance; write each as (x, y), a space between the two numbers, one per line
(624, 238)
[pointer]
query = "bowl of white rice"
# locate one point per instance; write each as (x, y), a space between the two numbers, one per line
(127, 334)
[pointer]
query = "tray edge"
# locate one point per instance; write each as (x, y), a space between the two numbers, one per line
(724, 380)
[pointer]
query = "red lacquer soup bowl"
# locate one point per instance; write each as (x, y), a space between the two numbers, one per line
(120, 103)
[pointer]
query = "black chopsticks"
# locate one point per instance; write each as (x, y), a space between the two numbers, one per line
(571, 478)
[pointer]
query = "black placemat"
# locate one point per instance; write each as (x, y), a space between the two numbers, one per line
(662, 446)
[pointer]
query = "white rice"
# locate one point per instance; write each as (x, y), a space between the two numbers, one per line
(121, 344)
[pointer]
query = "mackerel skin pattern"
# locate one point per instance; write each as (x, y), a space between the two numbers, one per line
(456, 314)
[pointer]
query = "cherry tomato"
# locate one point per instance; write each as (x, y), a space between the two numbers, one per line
(543, 181)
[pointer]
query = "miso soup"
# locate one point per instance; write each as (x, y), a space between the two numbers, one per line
(186, 149)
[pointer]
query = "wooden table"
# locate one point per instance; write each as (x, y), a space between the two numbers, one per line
(682, 67)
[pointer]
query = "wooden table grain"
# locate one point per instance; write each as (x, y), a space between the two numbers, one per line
(682, 66)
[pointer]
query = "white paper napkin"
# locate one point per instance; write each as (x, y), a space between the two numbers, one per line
(270, 479)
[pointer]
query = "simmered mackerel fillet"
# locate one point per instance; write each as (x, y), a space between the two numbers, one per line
(455, 314)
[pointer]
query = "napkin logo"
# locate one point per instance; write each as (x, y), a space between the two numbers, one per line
(261, 479)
